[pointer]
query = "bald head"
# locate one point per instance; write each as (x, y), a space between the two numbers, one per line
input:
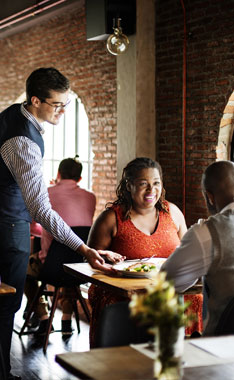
(218, 180)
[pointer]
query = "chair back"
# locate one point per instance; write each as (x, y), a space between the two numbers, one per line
(226, 322)
(58, 254)
(117, 328)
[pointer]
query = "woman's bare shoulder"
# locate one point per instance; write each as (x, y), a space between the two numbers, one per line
(178, 219)
(173, 209)
(103, 230)
(106, 221)
(108, 215)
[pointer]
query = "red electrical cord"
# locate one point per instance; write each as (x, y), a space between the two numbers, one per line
(184, 112)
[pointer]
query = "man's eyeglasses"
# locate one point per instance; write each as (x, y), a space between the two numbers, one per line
(57, 108)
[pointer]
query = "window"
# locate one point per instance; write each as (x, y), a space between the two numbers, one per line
(68, 138)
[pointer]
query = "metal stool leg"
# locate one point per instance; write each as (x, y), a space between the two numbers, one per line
(31, 308)
(83, 303)
(50, 320)
(76, 311)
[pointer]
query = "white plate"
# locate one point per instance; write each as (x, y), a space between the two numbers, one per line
(157, 261)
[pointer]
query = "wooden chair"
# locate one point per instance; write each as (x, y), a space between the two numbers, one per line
(117, 328)
(53, 274)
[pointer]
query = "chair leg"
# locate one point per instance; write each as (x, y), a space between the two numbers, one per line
(31, 308)
(76, 311)
(50, 320)
(83, 303)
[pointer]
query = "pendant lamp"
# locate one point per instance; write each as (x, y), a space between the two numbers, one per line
(117, 43)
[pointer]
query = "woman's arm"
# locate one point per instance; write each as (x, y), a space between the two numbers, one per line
(101, 234)
(178, 219)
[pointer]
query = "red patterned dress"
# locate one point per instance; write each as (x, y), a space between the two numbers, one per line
(134, 244)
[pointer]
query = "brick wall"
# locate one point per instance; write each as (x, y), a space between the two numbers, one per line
(61, 42)
(210, 58)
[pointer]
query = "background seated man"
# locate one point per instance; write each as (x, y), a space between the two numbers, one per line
(207, 247)
(76, 206)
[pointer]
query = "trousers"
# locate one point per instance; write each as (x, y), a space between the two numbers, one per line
(14, 254)
(31, 287)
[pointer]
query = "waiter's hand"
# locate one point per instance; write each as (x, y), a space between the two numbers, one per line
(113, 257)
(95, 259)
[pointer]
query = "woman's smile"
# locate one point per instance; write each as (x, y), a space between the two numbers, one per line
(149, 198)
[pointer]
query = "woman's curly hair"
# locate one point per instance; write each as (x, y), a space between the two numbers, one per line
(130, 173)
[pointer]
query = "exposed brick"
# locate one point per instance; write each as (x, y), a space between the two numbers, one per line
(209, 88)
(61, 42)
(92, 72)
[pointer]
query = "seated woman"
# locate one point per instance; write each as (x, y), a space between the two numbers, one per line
(139, 223)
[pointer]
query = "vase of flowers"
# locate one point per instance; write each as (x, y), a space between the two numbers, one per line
(162, 310)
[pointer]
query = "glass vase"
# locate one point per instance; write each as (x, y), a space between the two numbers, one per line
(169, 345)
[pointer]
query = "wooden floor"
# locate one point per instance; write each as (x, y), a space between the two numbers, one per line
(28, 359)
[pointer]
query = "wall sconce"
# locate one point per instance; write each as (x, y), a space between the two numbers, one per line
(117, 43)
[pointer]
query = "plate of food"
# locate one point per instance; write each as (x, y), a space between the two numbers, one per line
(139, 268)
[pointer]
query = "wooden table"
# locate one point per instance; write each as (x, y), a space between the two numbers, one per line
(6, 289)
(118, 363)
(122, 286)
(108, 363)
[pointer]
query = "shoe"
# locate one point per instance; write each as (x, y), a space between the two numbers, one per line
(42, 328)
(67, 327)
(13, 377)
(34, 321)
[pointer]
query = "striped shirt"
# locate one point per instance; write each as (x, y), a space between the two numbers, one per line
(23, 158)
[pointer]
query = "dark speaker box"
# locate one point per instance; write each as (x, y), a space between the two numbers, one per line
(101, 13)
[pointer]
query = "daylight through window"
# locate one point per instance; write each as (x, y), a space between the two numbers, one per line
(68, 138)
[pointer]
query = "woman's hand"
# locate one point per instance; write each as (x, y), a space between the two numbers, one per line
(113, 257)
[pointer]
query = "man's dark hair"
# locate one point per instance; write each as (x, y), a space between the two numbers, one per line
(41, 81)
(218, 177)
(70, 168)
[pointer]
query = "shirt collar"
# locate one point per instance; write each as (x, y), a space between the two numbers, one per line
(32, 118)
(230, 206)
(67, 182)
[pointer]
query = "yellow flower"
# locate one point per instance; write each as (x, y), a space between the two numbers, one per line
(170, 293)
(159, 304)
(157, 367)
(160, 309)
(137, 304)
(172, 303)
(158, 282)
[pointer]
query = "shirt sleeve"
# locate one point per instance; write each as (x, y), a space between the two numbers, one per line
(191, 260)
(23, 158)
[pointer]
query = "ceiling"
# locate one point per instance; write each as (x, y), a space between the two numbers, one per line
(16, 16)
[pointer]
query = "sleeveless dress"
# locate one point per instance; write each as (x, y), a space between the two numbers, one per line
(134, 244)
